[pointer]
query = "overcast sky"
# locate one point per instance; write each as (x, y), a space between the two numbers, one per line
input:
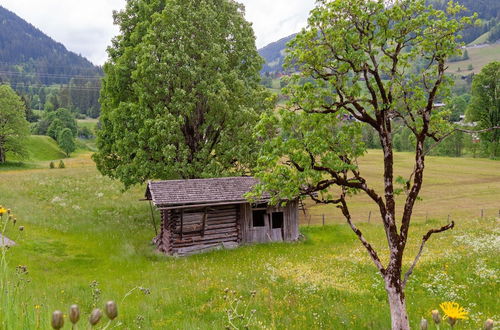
(86, 26)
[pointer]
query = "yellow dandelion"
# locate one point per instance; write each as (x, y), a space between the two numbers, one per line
(2, 211)
(454, 310)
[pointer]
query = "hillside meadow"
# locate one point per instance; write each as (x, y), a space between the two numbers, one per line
(86, 241)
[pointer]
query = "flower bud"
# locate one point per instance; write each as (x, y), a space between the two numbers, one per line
(21, 228)
(488, 325)
(95, 316)
(435, 316)
(74, 314)
(423, 324)
(111, 310)
(57, 320)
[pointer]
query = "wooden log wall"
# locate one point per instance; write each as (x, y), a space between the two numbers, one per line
(193, 230)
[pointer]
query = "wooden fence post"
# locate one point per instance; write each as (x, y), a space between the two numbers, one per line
(323, 219)
(369, 216)
(482, 213)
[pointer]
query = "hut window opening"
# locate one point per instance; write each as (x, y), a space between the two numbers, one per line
(259, 218)
(277, 220)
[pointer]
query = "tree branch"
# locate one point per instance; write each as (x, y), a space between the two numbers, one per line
(424, 239)
(441, 139)
(373, 254)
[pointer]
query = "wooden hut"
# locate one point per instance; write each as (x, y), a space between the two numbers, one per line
(202, 214)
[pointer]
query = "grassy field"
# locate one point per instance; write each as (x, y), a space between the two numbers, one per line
(81, 227)
(478, 57)
(473, 182)
(90, 123)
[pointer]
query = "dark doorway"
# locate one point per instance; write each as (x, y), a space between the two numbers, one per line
(277, 220)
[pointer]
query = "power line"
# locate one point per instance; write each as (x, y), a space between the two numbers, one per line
(70, 88)
(50, 75)
(51, 66)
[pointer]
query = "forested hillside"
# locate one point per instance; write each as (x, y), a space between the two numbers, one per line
(274, 55)
(487, 10)
(43, 71)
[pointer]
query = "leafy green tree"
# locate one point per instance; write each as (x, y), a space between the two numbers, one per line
(65, 120)
(66, 141)
(355, 56)
(452, 146)
(457, 106)
(181, 92)
(485, 106)
(14, 128)
(55, 128)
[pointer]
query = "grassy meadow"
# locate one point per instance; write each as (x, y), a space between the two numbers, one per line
(479, 56)
(80, 227)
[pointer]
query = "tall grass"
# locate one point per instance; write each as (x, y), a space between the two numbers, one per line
(81, 227)
(15, 311)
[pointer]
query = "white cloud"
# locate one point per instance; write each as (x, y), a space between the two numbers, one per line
(86, 27)
(275, 19)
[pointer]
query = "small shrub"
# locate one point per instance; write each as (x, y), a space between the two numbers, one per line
(61, 164)
(52, 165)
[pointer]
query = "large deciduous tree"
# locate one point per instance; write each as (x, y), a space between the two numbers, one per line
(358, 57)
(14, 128)
(181, 92)
(485, 106)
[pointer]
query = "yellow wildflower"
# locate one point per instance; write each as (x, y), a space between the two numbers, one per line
(453, 311)
(2, 211)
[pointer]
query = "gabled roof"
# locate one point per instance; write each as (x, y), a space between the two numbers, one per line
(200, 191)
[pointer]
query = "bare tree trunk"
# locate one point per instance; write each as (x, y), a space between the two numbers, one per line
(2, 155)
(397, 303)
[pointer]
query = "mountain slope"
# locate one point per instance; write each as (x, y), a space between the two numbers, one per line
(488, 11)
(274, 55)
(27, 55)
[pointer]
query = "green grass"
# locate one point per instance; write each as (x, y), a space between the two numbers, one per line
(39, 149)
(90, 123)
(483, 38)
(455, 187)
(81, 227)
(478, 57)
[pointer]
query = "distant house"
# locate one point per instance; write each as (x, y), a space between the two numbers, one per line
(202, 214)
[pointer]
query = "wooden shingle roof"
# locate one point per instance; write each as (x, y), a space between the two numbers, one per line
(199, 191)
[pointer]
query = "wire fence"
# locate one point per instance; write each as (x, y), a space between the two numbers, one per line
(309, 218)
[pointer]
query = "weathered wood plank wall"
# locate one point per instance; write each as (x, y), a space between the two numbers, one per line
(289, 232)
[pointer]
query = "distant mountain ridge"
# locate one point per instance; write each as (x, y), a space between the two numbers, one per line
(488, 11)
(28, 55)
(274, 55)
(43, 71)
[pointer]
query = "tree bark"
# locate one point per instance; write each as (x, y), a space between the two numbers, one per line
(2, 155)
(397, 303)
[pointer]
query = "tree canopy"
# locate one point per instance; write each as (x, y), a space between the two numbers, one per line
(358, 57)
(485, 106)
(181, 92)
(54, 121)
(66, 141)
(14, 128)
